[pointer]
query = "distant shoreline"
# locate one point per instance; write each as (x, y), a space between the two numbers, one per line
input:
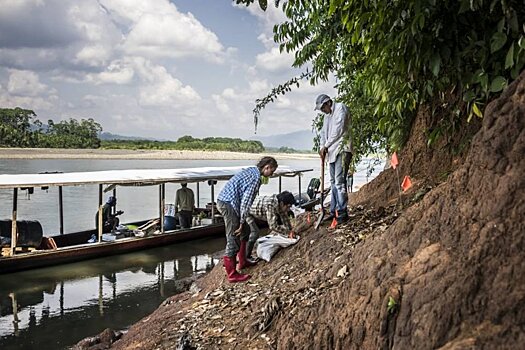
(61, 153)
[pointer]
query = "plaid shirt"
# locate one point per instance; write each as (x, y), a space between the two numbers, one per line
(240, 191)
(267, 208)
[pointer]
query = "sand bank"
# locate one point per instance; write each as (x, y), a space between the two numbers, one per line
(58, 153)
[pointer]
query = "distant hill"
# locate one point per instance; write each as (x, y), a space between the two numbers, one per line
(107, 136)
(299, 140)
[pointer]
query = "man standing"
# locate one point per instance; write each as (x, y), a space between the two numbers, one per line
(233, 203)
(184, 205)
(274, 210)
(336, 148)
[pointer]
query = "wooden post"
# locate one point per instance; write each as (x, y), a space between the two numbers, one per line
(14, 305)
(13, 221)
(100, 221)
(61, 209)
(213, 201)
(198, 195)
(115, 195)
(101, 295)
(161, 278)
(162, 195)
(299, 177)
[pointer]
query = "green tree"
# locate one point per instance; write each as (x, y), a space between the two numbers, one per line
(73, 134)
(16, 127)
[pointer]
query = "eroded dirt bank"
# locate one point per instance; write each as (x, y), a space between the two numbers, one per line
(444, 269)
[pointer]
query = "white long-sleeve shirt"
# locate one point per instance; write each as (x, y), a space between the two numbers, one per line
(336, 134)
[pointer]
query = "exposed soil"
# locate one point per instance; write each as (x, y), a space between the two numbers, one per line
(441, 268)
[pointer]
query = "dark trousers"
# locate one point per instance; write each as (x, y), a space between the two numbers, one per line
(185, 218)
(231, 223)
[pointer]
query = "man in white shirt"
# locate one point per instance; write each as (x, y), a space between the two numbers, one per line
(336, 148)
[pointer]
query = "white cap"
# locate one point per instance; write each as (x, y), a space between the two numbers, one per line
(320, 101)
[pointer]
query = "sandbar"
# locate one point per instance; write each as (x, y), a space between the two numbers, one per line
(61, 153)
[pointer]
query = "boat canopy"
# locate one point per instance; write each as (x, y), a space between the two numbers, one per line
(136, 177)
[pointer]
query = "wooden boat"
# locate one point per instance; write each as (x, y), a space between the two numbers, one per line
(72, 247)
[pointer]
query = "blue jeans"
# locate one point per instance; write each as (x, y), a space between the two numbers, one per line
(338, 176)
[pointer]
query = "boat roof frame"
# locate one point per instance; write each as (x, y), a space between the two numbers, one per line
(132, 177)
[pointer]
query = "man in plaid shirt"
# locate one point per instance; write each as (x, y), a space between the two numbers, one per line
(274, 210)
(233, 203)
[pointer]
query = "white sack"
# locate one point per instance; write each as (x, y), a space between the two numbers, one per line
(268, 245)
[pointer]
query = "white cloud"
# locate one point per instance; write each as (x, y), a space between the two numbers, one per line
(158, 29)
(221, 103)
(172, 36)
(101, 37)
(31, 103)
(19, 95)
(229, 93)
(275, 61)
(93, 55)
(160, 88)
(25, 83)
(259, 86)
(118, 72)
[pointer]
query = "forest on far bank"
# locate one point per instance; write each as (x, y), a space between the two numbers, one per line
(21, 128)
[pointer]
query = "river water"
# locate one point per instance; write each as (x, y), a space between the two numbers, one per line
(55, 307)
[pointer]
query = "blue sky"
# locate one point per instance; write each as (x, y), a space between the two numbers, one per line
(153, 68)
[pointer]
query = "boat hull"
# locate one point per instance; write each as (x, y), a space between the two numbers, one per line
(68, 254)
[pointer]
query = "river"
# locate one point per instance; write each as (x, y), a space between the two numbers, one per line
(55, 307)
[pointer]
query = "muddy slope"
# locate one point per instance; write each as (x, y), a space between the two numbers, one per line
(446, 270)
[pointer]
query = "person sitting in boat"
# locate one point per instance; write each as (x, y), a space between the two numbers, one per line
(274, 210)
(109, 220)
(184, 205)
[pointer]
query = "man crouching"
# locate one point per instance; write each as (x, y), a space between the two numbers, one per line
(274, 210)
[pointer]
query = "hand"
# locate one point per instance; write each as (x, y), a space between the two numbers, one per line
(291, 234)
(119, 212)
(323, 151)
(238, 231)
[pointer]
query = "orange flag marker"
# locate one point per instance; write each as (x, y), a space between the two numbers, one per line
(407, 183)
(308, 220)
(334, 223)
(393, 160)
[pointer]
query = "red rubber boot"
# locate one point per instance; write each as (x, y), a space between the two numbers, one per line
(233, 276)
(241, 255)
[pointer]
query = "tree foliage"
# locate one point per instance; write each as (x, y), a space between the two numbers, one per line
(73, 134)
(15, 127)
(20, 128)
(391, 57)
(190, 143)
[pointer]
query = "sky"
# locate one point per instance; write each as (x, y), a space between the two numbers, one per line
(156, 69)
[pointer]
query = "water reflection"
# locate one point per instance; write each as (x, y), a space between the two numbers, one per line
(58, 306)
